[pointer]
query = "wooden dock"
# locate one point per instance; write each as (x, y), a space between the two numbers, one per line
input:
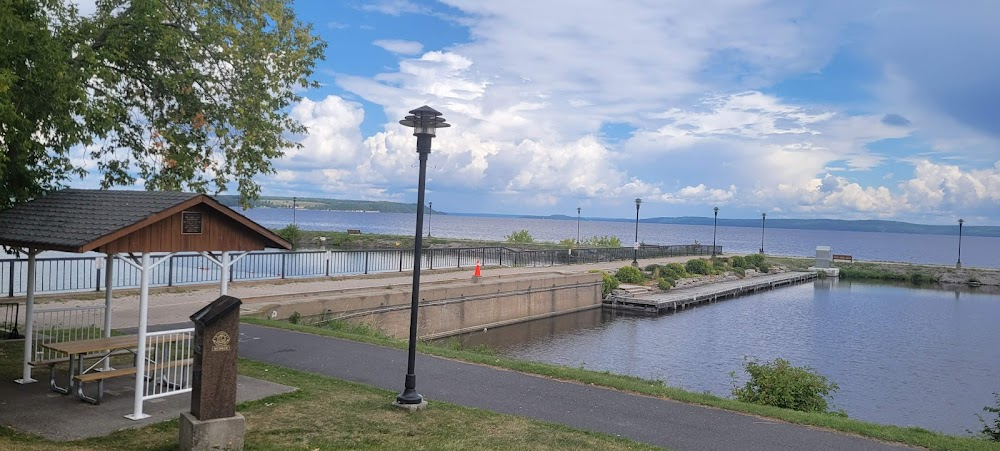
(682, 298)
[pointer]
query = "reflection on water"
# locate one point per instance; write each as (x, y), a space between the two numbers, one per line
(901, 355)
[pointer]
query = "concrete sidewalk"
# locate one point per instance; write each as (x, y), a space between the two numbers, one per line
(176, 304)
(645, 419)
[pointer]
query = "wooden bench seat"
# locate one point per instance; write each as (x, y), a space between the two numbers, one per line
(842, 257)
(101, 376)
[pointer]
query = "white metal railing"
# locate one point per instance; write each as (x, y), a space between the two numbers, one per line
(64, 324)
(169, 357)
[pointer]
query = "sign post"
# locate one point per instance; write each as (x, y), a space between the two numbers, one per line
(213, 422)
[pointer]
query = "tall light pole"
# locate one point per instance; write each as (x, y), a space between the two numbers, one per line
(424, 121)
(958, 265)
(294, 207)
(762, 217)
(577, 225)
(635, 247)
(715, 227)
(430, 214)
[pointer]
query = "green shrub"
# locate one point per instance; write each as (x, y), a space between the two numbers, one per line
(739, 262)
(664, 284)
(608, 284)
(291, 233)
(674, 271)
(520, 236)
(740, 272)
(602, 241)
(764, 267)
(696, 266)
(780, 384)
(754, 260)
(991, 432)
(651, 267)
(568, 242)
(629, 274)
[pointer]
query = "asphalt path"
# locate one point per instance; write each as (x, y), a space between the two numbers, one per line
(655, 421)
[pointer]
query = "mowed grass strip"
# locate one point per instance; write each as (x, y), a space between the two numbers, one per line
(330, 414)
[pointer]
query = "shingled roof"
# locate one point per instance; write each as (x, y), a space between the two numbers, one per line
(78, 220)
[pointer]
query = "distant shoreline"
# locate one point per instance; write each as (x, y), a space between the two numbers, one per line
(878, 226)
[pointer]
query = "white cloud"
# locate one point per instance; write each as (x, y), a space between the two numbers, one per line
(399, 46)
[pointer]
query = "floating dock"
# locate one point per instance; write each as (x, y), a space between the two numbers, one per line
(682, 298)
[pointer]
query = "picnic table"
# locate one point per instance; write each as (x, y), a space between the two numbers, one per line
(99, 350)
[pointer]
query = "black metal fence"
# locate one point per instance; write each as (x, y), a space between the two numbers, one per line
(69, 274)
(9, 312)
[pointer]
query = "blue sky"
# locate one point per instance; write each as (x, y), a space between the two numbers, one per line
(828, 109)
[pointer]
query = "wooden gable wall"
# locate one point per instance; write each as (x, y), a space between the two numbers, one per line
(218, 233)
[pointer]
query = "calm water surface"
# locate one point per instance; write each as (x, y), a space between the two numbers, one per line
(901, 247)
(901, 355)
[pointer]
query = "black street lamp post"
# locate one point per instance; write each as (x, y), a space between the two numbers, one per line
(958, 265)
(715, 226)
(635, 247)
(762, 217)
(430, 214)
(424, 121)
(294, 207)
(577, 225)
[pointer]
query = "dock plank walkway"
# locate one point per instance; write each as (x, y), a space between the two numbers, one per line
(682, 298)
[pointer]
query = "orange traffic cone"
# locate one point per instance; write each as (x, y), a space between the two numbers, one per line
(478, 273)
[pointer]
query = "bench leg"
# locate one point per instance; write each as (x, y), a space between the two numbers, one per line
(52, 381)
(83, 396)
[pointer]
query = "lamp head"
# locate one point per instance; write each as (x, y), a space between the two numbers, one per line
(638, 202)
(716, 209)
(424, 120)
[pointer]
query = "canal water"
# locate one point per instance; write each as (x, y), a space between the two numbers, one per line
(901, 355)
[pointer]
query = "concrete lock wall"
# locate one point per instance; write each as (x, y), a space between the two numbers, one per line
(446, 308)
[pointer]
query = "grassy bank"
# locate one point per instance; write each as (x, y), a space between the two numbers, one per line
(901, 272)
(326, 413)
(912, 436)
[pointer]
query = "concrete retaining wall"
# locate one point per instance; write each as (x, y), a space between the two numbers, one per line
(446, 308)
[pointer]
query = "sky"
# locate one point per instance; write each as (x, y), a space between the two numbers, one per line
(841, 109)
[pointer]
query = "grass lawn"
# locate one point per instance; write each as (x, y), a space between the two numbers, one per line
(328, 414)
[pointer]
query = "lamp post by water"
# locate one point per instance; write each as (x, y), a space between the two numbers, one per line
(430, 214)
(424, 121)
(958, 265)
(762, 217)
(715, 226)
(635, 247)
(294, 207)
(577, 225)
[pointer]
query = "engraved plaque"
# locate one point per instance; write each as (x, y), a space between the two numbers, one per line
(190, 223)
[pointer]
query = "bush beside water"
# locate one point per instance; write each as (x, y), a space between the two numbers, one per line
(780, 384)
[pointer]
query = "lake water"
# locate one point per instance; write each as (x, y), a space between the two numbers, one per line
(926, 249)
(901, 355)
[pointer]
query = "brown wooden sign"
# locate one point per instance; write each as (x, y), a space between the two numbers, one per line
(191, 223)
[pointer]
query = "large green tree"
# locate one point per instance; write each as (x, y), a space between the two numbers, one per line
(180, 94)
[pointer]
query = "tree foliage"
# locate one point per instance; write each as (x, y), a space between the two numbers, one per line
(177, 94)
(521, 236)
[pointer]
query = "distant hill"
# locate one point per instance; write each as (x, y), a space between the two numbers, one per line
(807, 224)
(312, 203)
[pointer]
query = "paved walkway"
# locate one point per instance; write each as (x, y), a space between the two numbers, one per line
(645, 419)
(176, 304)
